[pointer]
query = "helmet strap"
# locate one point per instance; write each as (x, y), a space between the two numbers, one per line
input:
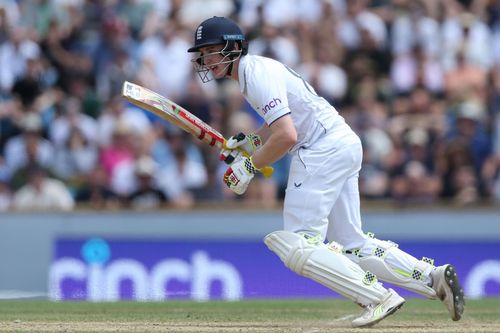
(230, 46)
(229, 71)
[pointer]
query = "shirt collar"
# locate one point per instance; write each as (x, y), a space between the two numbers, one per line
(242, 75)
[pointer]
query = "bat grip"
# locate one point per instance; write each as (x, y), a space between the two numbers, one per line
(267, 171)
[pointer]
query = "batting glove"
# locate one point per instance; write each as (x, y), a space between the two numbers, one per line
(248, 143)
(239, 174)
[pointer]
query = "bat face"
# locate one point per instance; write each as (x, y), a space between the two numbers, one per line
(166, 109)
(177, 115)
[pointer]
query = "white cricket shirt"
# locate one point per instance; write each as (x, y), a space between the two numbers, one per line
(275, 90)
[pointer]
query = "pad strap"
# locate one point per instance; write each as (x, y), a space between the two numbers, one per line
(422, 267)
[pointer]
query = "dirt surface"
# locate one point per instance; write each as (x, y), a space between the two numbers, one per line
(465, 326)
(272, 316)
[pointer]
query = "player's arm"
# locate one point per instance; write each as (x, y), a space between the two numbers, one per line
(283, 136)
(264, 132)
(248, 143)
(241, 172)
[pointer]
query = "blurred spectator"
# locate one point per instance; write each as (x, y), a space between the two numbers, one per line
(414, 28)
(190, 12)
(119, 151)
(3, 26)
(415, 185)
(70, 60)
(42, 193)
(77, 157)
(273, 43)
(184, 178)
(328, 79)
(465, 186)
(137, 13)
(369, 120)
(14, 56)
(490, 175)
(418, 80)
(5, 196)
(40, 14)
(81, 89)
(465, 79)
(68, 118)
(114, 39)
(280, 13)
(4, 170)
(469, 128)
(166, 53)
(110, 79)
(452, 156)
(28, 87)
(495, 110)
(117, 111)
(147, 194)
(9, 14)
(359, 25)
(29, 146)
(95, 193)
(414, 179)
(163, 148)
(416, 68)
(465, 35)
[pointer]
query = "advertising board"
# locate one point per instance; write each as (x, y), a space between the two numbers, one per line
(136, 269)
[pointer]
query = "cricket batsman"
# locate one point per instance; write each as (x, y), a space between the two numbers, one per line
(322, 198)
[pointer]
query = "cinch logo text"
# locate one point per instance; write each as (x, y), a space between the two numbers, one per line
(271, 105)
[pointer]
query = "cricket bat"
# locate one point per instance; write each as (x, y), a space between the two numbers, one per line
(178, 116)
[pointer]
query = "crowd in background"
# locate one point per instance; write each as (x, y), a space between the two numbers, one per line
(418, 80)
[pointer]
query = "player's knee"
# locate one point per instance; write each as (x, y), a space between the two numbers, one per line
(293, 249)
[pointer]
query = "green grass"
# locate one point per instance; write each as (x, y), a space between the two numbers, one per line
(246, 316)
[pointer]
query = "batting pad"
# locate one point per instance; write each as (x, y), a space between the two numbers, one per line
(377, 262)
(380, 268)
(326, 266)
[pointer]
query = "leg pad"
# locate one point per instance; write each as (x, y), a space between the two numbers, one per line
(327, 266)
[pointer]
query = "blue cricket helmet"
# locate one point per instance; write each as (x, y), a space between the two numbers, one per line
(219, 30)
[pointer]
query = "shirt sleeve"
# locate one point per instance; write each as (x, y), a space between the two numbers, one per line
(266, 91)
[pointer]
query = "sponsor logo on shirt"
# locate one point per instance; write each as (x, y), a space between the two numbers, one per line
(271, 105)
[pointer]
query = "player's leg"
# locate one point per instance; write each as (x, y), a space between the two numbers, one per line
(395, 266)
(310, 257)
(314, 185)
(345, 228)
(315, 181)
(386, 260)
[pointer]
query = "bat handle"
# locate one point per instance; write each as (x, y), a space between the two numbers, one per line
(267, 171)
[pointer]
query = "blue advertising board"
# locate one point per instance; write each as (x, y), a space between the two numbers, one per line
(136, 269)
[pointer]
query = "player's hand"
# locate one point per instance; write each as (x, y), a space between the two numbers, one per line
(248, 143)
(239, 174)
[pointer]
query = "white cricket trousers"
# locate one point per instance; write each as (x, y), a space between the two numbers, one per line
(322, 195)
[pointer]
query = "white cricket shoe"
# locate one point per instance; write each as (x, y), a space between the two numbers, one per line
(374, 313)
(448, 290)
